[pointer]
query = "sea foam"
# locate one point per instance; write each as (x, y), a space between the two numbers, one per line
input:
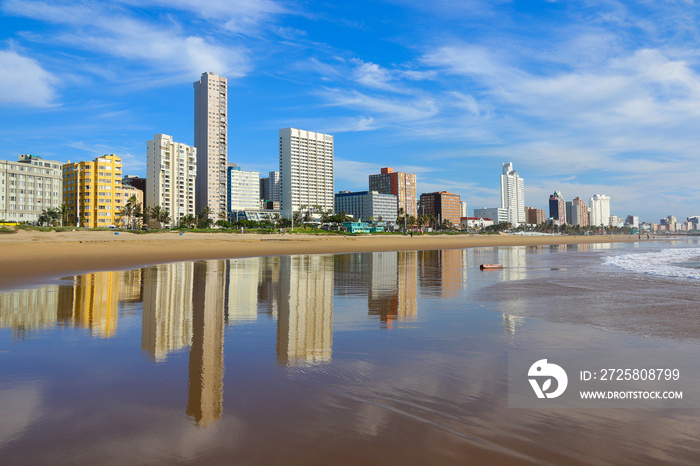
(661, 263)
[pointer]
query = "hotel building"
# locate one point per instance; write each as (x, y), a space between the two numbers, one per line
(442, 205)
(536, 216)
(600, 210)
(243, 189)
(306, 170)
(92, 191)
(402, 185)
(367, 205)
(577, 212)
(29, 186)
(211, 141)
(513, 195)
(171, 174)
(557, 208)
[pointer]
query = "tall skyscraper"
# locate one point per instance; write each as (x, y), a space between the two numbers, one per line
(306, 170)
(402, 185)
(171, 173)
(557, 208)
(513, 195)
(211, 141)
(600, 210)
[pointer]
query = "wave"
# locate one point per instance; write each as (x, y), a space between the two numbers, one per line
(665, 263)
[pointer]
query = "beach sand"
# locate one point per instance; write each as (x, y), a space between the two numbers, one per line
(32, 257)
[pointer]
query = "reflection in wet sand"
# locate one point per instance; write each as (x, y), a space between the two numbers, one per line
(92, 302)
(305, 319)
(27, 310)
(393, 286)
(206, 367)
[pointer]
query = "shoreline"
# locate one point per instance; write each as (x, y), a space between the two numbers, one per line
(31, 258)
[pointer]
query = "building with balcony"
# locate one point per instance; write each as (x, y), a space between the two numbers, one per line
(402, 185)
(92, 191)
(28, 187)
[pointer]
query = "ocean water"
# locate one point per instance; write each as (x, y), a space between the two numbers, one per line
(372, 358)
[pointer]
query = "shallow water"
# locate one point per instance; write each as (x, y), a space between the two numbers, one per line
(378, 358)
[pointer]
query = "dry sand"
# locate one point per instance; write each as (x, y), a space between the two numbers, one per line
(30, 258)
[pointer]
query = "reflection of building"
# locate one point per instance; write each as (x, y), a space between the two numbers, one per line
(167, 309)
(441, 272)
(242, 290)
(393, 286)
(305, 319)
(130, 289)
(29, 309)
(511, 323)
(268, 285)
(206, 366)
(91, 302)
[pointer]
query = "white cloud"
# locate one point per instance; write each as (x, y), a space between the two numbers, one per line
(24, 81)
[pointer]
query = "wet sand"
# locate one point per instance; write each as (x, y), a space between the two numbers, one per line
(30, 258)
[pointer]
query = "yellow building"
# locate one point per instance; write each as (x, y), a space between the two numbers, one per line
(92, 191)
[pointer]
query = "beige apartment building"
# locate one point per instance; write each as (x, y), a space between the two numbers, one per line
(92, 191)
(171, 177)
(211, 141)
(28, 187)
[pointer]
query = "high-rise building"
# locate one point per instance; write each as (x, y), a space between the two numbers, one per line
(577, 212)
(557, 208)
(513, 195)
(28, 187)
(442, 205)
(535, 216)
(367, 205)
(92, 191)
(171, 172)
(211, 141)
(632, 221)
(463, 209)
(600, 210)
(306, 170)
(402, 185)
(244, 189)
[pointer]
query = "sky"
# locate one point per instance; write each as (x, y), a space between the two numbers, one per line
(582, 96)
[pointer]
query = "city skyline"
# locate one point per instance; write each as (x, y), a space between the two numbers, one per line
(583, 99)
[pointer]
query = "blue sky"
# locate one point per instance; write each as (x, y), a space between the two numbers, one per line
(583, 96)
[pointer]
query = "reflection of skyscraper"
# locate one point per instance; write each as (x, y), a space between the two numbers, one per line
(242, 292)
(131, 289)
(29, 309)
(511, 323)
(206, 367)
(393, 284)
(305, 319)
(167, 309)
(268, 285)
(92, 302)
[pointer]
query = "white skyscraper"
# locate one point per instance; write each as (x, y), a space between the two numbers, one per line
(600, 210)
(171, 176)
(513, 195)
(306, 170)
(210, 139)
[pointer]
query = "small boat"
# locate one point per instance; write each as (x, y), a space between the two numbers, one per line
(490, 266)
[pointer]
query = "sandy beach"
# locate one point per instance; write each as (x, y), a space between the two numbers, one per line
(30, 258)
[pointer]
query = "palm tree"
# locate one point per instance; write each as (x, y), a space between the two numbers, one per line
(63, 212)
(126, 212)
(163, 216)
(155, 213)
(203, 217)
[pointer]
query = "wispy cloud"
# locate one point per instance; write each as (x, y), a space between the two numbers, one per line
(24, 81)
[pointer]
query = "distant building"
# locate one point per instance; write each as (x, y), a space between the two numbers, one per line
(463, 209)
(402, 185)
(669, 223)
(270, 187)
(557, 208)
(211, 141)
(92, 191)
(577, 212)
(632, 221)
(137, 182)
(28, 187)
(600, 210)
(693, 223)
(244, 189)
(497, 214)
(172, 172)
(367, 205)
(475, 223)
(442, 205)
(306, 170)
(536, 216)
(513, 195)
